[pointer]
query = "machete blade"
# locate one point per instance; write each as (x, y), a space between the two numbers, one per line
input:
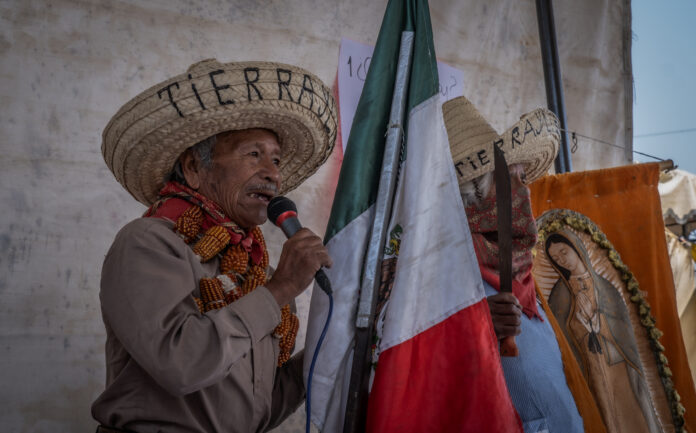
(503, 195)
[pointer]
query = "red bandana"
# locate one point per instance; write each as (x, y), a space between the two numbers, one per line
(483, 223)
(175, 199)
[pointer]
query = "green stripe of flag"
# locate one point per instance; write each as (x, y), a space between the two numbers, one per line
(362, 163)
(424, 82)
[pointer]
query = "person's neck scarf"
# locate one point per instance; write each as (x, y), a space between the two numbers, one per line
(243, 255)
(483, 223)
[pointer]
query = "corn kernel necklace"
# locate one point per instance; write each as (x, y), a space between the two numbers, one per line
(244, 257)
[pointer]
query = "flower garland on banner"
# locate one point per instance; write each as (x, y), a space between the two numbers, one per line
(244, 257)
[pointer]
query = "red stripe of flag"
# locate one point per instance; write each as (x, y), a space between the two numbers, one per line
(454, 369)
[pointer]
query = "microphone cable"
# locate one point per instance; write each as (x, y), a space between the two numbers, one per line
(308, 403)
(283, 212)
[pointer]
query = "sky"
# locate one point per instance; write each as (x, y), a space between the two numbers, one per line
(664, 73)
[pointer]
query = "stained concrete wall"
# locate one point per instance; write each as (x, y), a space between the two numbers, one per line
(67, 66)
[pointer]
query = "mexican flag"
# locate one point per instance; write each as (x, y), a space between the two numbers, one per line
(437, 363)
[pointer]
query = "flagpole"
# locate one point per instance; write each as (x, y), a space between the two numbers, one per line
(356, 406)
(553, 79)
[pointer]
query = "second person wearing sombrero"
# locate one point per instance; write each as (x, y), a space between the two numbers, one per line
(199, 331)
(538, 381)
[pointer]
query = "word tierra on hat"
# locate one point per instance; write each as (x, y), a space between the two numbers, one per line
(143, 140)
(532, 141)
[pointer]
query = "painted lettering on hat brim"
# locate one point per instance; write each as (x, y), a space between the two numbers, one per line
(303, 85)
(479, 161)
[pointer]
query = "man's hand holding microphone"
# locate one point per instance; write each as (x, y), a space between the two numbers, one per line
(302, 257)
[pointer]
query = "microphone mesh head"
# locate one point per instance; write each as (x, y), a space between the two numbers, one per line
(278, 206)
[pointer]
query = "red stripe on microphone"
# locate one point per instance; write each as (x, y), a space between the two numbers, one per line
(285, 215)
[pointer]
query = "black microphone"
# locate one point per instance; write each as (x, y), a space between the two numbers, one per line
(283, 213)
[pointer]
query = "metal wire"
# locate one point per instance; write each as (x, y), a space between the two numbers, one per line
(657, 134)
(575, 134)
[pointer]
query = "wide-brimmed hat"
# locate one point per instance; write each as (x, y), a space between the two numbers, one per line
(532, 141)
(143, 140)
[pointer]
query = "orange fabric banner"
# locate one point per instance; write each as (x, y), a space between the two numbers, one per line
(625, 204)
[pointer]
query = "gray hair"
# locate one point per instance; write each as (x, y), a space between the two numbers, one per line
(475, 190)
(203, 150)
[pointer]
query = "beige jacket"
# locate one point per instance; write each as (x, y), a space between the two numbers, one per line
(170, 368)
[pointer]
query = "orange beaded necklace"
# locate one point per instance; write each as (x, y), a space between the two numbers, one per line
(244, 258)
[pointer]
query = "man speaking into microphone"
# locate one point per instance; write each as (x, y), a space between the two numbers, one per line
(199, 333)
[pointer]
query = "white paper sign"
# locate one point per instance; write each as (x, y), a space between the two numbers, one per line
(354, 61)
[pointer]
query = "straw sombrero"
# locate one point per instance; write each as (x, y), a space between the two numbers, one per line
(143, 140)
(532, 141)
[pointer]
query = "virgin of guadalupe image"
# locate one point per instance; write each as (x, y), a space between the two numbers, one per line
(595, 320)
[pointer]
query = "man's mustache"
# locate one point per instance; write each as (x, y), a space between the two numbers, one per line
(265, 188)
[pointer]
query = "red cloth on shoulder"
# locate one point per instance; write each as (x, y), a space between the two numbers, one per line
(176, 198)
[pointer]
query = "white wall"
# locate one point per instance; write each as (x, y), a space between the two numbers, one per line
(67, 66)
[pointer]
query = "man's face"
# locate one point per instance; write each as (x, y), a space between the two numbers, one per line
(244, 175)
(483, 219)
(486, 210)
(524, 231)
